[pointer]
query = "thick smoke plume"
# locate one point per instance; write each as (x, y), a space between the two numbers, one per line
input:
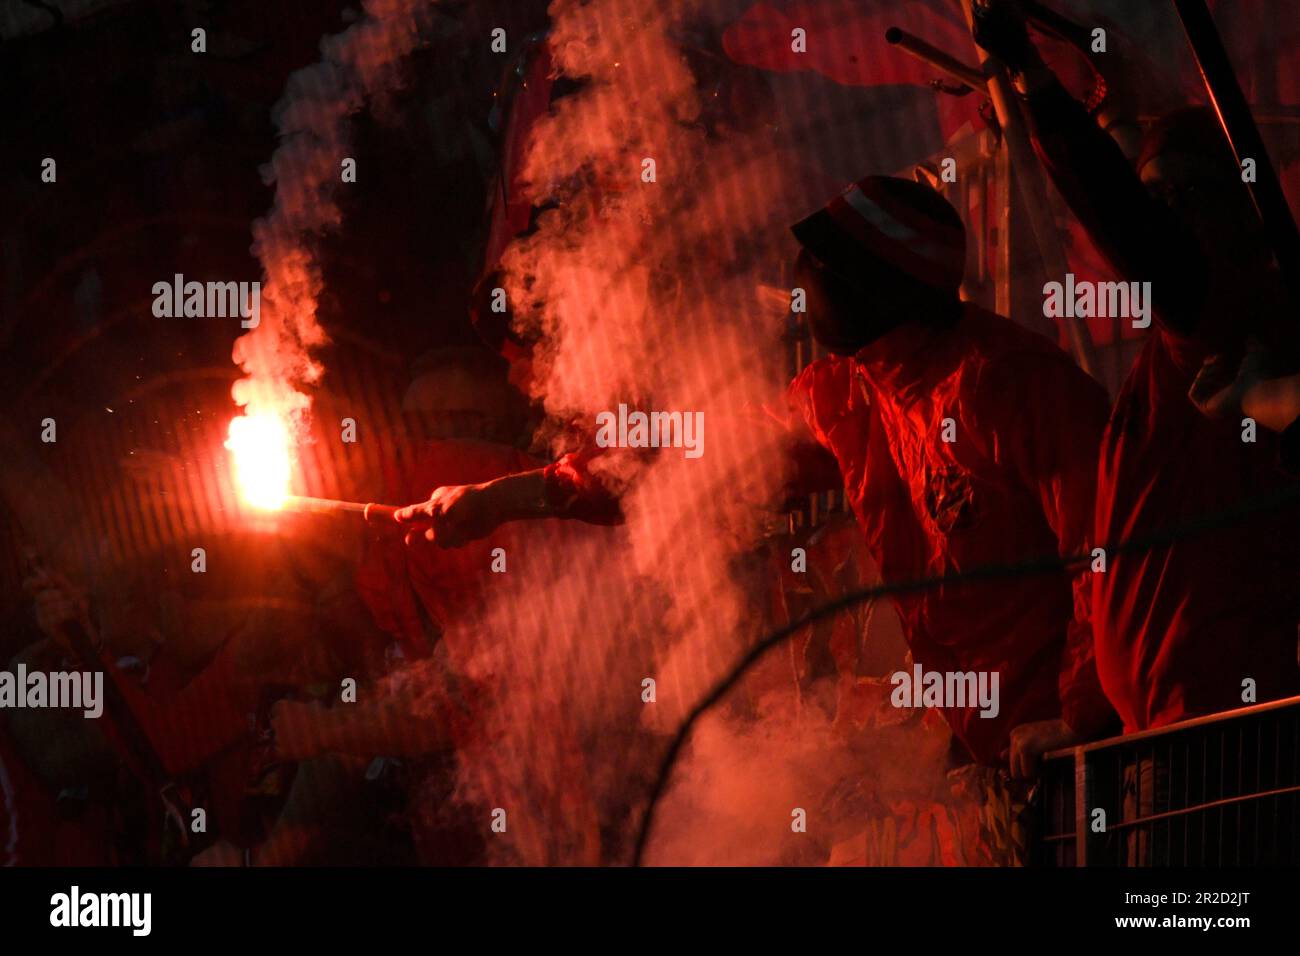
(646, 293)
(313, 122)
(747, 776)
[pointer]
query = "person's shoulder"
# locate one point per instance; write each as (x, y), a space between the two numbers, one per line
(828, 366)
(1011, 370)
(993, 335)
(823, 375)
(828, 379)
(820, 393)
(1002, 343)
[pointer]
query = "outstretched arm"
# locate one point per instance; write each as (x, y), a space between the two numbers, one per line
(1138, 235)
(570, 488)
(455, 515)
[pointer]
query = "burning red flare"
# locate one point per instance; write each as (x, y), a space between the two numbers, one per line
(261, 446)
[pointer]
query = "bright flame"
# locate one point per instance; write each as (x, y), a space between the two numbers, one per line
(261, 449)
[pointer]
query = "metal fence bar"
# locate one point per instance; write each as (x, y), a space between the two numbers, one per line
(1237, 807)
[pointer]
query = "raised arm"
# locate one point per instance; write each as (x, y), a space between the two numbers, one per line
(1139, 236)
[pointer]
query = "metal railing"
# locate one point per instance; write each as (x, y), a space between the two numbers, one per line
(1220, 790)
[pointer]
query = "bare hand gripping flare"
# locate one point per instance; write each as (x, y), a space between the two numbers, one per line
(260, 444)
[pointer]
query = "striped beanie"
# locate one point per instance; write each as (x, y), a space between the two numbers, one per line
(885, 220)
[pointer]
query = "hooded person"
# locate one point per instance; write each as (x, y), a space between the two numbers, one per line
(963, 441)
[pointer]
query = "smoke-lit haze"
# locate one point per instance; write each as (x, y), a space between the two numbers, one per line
(646, 293)
(313, 119)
